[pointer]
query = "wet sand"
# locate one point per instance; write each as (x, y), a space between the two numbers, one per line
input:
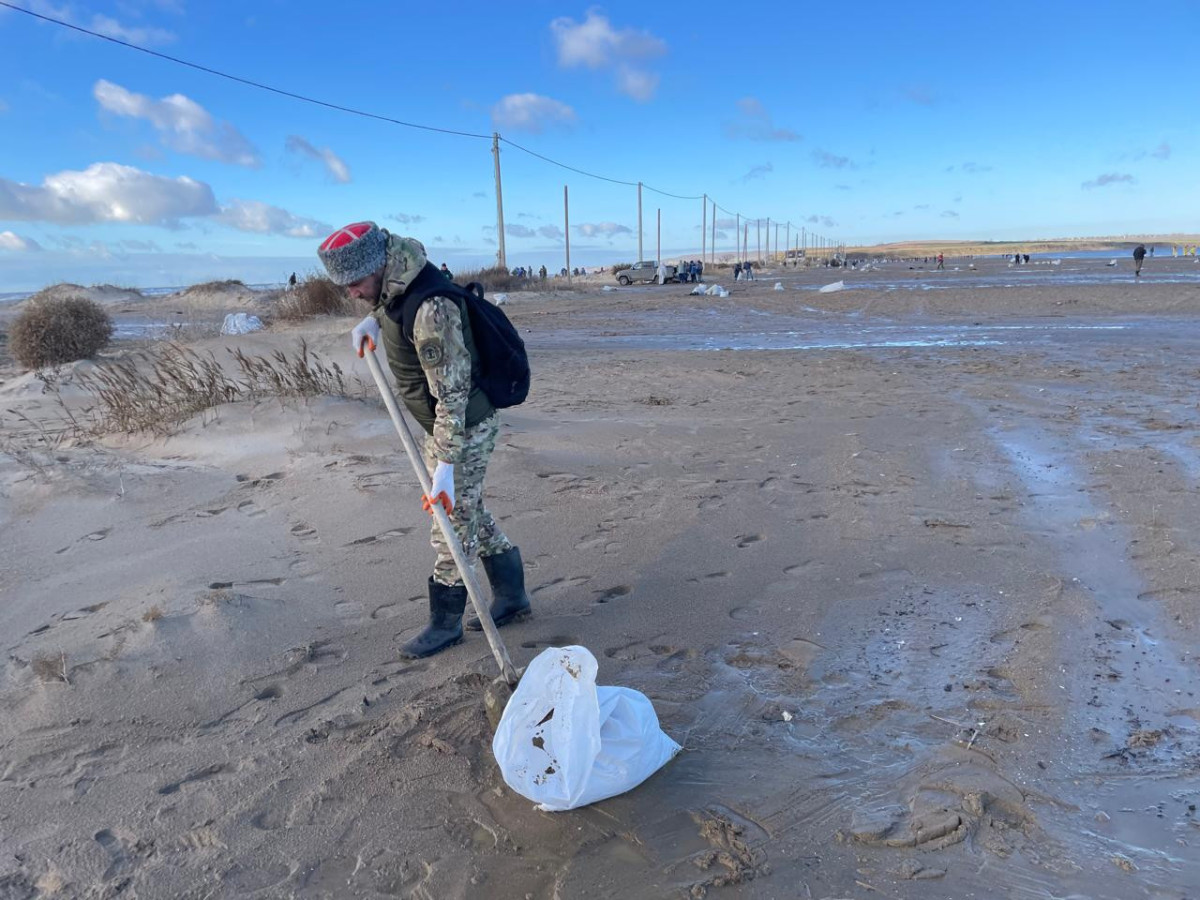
(919, 600)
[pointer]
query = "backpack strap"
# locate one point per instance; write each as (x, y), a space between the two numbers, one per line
(430, 282)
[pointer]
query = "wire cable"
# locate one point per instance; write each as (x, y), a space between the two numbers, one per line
(240, 80)
(351, 110)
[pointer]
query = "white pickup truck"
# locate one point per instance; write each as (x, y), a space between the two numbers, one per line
(646, 270)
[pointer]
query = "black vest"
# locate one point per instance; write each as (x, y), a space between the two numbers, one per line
(405, 364)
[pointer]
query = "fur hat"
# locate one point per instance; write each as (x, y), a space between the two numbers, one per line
(354, 252)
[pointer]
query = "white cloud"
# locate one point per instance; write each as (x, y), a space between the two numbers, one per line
(827, 160)
(595, 44)
(337, 169)
(1107, 179)
(11, 241)
(183, 125)
(552, 232)
(759, 172)
(602, 229)
(262, 218)
(109, 26)
(406, 219)
(754, 123)
(106, 192)
(105, 25)
(521, 231)
(636, 83)
(531, 112)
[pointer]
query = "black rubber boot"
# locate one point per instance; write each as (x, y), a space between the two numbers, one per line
(510, 603)
(446, 605)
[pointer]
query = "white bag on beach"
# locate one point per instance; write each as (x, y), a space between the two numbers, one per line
(563, 742)
(240, 323)
(830, 288)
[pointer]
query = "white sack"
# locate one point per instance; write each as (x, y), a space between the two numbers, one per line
(778, 286)
(499, 299)
(830, 288)
(563, 742)
(701, 288)
(240, 323)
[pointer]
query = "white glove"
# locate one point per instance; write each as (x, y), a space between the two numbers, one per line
(442, 490)
(365, 332)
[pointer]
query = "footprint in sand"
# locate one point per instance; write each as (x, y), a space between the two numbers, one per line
(83, 612)
(612, 593)
(376, 538)
(558, 640)
(251, 509)
(558, 583)
(121, 861)
(199, 775)
(306, 533)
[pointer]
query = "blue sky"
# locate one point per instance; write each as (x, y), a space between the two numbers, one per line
(949, 120)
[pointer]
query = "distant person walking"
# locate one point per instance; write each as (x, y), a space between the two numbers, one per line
(941, 262)
(1139, 256)
(449, 276)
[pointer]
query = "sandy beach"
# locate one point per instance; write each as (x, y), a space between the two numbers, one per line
(909, 569)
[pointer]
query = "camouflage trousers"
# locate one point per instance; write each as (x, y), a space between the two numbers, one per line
(474, 526)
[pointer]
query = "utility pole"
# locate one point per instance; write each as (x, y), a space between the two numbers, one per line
(787, 239)
(737, 237)
(659, 252)
(567, 230)
(501, 258)
(640, 257)
(745, 240)
(704, 228)
(713, 251)
(768, 238)
(758, 241)
(776, 239)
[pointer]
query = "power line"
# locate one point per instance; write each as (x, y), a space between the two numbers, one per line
(347, 109)
(240, 80)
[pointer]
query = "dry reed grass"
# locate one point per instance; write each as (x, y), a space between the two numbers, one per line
(314, 295)
(157, 392)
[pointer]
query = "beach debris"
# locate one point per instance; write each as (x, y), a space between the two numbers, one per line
(715, 290)
(563, 742)
(830, 288)
(499, 299)
(1056, 262)
(1111, 262)
(701, 288)
(778, 286)
(608, 287)
(240, 323)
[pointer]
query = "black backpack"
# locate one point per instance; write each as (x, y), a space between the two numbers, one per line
(503, 372)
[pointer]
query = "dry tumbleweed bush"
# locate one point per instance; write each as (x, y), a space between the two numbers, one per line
(51, 331)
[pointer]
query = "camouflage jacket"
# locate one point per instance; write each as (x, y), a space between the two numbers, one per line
(442, 346)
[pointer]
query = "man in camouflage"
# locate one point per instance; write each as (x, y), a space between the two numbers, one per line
(432, 367)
